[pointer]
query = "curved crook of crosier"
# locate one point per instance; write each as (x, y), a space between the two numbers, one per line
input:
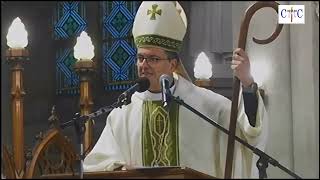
(276, 33)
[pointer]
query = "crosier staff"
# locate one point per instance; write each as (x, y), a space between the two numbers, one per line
(236, 82)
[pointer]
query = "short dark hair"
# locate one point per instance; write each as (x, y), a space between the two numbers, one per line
(172, 55)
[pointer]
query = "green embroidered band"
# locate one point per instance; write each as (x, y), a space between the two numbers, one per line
(158, 41)
(160, 136)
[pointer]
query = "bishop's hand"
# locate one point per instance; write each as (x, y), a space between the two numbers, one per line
(241, 66)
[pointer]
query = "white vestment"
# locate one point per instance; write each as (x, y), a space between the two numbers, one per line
(202, 146)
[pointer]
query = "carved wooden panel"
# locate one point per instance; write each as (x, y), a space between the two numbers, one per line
(7, 164)
(54, 154)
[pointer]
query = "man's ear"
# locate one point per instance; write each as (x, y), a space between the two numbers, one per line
(174, 64)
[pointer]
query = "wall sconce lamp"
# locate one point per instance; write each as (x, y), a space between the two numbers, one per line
(85, 67)
(16, 55)
(203, 71)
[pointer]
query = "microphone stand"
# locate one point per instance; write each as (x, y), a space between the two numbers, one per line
(78, 121)
(264, 159)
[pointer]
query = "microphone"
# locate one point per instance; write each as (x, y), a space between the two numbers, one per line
(141, 85)
(165, 82)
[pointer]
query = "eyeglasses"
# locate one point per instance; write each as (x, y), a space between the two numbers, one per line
(152, 60)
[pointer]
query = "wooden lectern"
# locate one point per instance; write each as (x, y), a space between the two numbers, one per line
(140, 173)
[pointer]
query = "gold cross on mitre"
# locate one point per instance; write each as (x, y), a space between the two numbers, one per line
(154, 11)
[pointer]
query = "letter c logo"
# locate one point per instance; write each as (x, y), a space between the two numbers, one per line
(282, 12)
(298, 13)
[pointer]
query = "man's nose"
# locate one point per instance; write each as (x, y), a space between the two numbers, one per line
(144, 63)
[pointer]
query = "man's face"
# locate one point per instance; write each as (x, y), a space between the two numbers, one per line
(152, 63)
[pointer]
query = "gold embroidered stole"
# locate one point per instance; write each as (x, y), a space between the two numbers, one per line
(160, 140)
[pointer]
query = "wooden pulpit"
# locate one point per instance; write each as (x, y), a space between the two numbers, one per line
(139, 173)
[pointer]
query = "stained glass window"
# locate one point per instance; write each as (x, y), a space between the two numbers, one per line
(119, 52)
(69, 22)
(118, 49)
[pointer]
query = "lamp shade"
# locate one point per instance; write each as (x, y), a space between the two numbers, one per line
(202, 68)
(17, 36)
(84, 49)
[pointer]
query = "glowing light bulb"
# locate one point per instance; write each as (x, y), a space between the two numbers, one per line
(17, 37)
(84, 49)
(203, 67)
